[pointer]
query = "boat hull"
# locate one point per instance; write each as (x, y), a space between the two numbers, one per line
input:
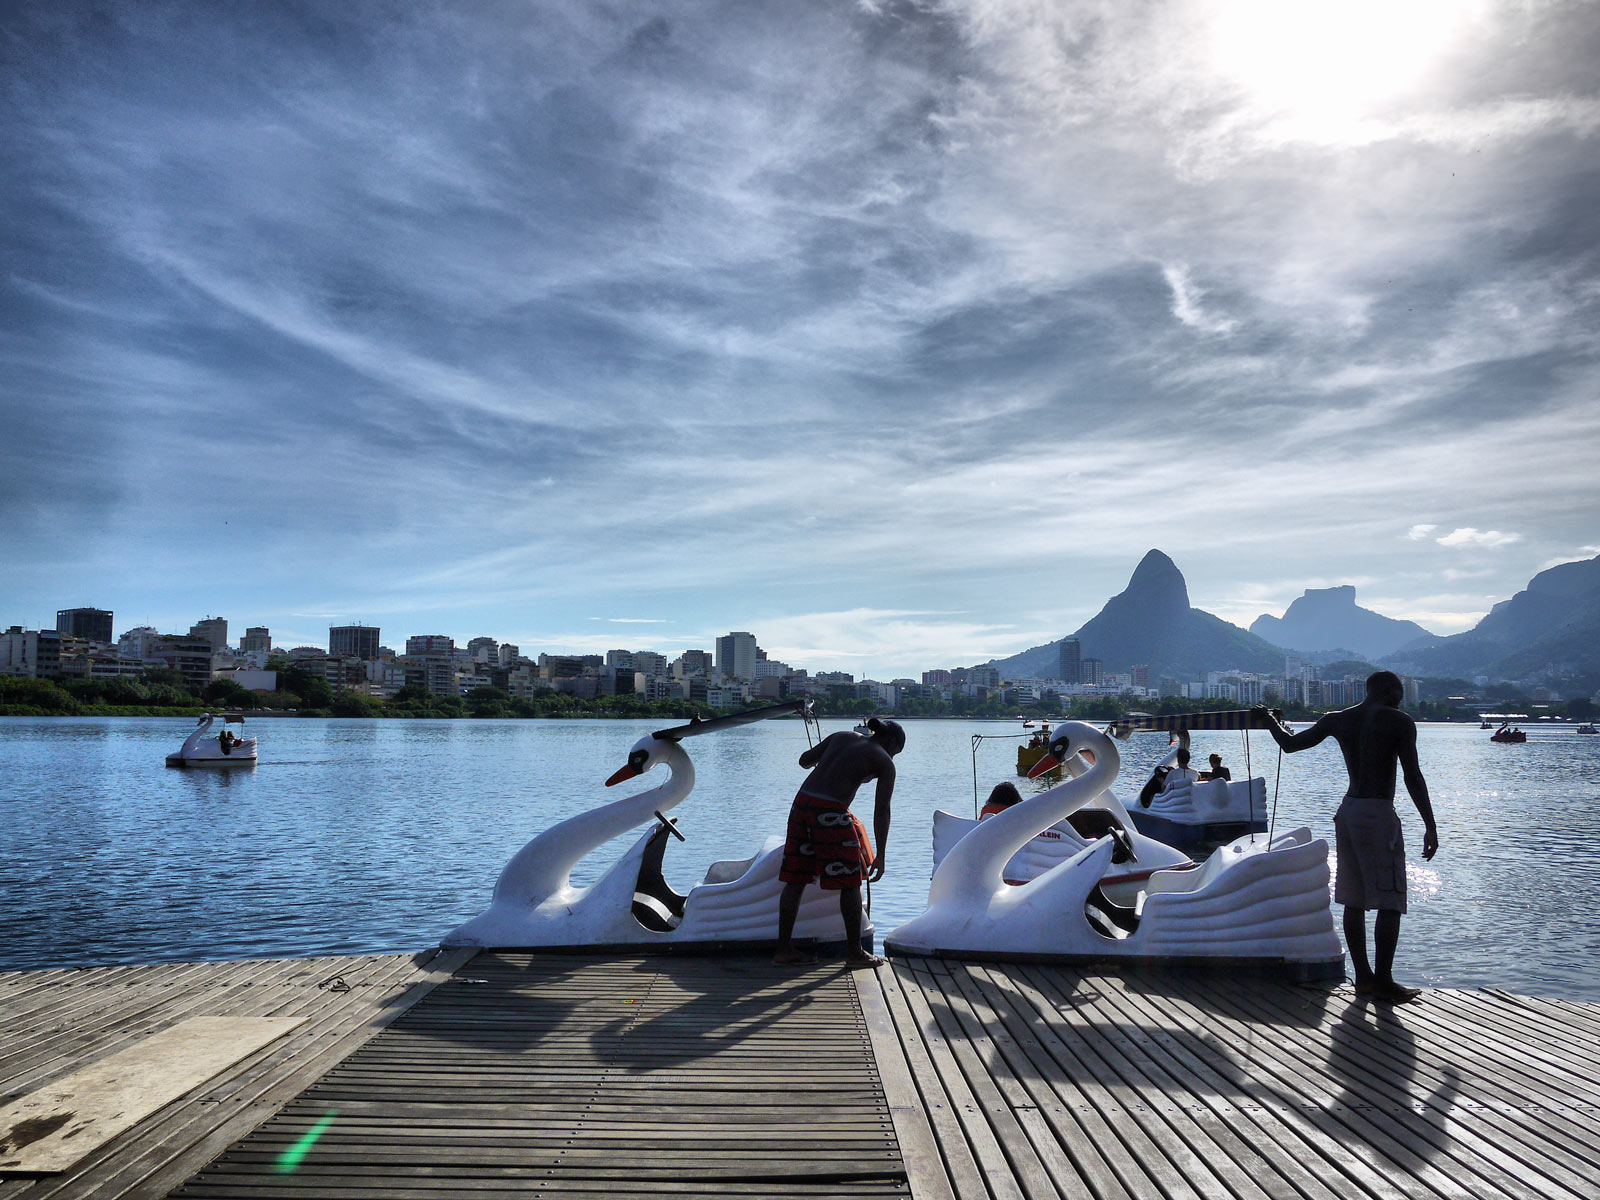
(740, 914)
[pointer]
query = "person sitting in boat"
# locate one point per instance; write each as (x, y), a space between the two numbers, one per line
(226, 740)
(1217, 770)
(824, 841)
(1005, 794)
(1181, 774)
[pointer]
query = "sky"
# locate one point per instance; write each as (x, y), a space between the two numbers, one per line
(893, 333)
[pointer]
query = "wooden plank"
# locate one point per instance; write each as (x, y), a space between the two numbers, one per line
(161, 1153)
(1436, 1095)
(52, 1128)
(697, 1037)
(924, 1166)
(1254, 1093)
(1128, 1088)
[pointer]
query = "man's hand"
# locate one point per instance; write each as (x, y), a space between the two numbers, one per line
(875, 872)
(1430, 842)
(1262, 713)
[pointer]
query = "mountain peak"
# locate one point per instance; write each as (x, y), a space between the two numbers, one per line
(1330, 619)
(1158, 576)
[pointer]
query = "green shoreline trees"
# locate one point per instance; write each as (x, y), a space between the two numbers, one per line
(163, 694)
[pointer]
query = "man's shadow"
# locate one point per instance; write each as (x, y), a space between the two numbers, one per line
(1384, 1084)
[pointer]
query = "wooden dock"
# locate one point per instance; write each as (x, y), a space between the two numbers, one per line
(559, 1075)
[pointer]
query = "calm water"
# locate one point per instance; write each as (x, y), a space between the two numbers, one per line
(363, 836)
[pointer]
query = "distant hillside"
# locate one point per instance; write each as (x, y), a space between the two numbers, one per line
(1152, 622)
(1549, 630)
(1330, 619)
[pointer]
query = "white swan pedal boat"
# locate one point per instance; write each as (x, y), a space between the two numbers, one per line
(1131, 864)
(1206, 812)
(223, 749)
(1258, 903)
(631, 907)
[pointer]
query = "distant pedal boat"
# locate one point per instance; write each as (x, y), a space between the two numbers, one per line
(202, 749)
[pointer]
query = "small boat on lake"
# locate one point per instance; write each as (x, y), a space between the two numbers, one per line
(632, 907)
(226, 749)
(1586, 727)
(1035, 748)
(1506, 734)
(1257, 902)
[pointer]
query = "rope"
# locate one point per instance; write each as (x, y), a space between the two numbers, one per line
(1249, 783)
(1277, 779)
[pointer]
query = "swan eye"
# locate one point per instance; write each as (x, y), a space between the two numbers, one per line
(637, 759)
(1061, 747)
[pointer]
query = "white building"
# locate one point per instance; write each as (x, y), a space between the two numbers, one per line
(737, 654)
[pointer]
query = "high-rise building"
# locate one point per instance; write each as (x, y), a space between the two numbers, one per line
(430, 662)
(484, 650)
(1070, 667)
(1139, 674)
(90, 624)
(256, 639)
(214, 630)
(736, 655)
(351, 641)
(1091, 671)
(693, 664)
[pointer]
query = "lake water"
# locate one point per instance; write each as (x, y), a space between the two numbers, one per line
(365, 836)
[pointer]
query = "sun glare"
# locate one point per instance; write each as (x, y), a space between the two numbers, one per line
(1321, 64)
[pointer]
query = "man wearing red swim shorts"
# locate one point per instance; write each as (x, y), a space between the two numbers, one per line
(822, 842)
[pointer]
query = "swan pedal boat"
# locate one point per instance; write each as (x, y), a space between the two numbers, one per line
(1255, 903)
(1205, 812)
(200, 749)
(631, 907)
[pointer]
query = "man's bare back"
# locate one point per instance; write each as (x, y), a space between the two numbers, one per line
(841, 763)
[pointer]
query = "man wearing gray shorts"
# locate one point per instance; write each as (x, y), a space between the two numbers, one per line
(1374, 735)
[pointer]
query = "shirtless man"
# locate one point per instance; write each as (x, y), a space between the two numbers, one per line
(1373, 735)
(822, 837)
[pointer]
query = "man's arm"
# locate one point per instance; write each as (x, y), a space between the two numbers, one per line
(880, 817)
(1304, 740)
(1417, 788)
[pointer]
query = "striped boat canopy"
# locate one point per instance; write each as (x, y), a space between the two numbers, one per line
(1231, 718)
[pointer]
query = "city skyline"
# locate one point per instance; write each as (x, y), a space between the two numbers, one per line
(894, 334)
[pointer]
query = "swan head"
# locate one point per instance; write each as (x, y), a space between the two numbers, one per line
(1071, 738)
(647, 752)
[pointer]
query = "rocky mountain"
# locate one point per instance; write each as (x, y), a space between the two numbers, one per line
(1549, 630)
(1330, 619)
(1152, 622)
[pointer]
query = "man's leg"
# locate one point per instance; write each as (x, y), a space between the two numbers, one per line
(788, 911)
(1387, 935)
(1355, 937)
(850, 909)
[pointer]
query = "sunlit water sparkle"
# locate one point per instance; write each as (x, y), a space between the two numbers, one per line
(366, 836)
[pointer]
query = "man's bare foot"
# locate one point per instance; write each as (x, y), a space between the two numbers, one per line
(1394, 993)
(1363, 987)
(855, 961)
(793, 958)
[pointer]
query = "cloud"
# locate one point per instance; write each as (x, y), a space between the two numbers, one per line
(539, 309)
(1468, 536)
